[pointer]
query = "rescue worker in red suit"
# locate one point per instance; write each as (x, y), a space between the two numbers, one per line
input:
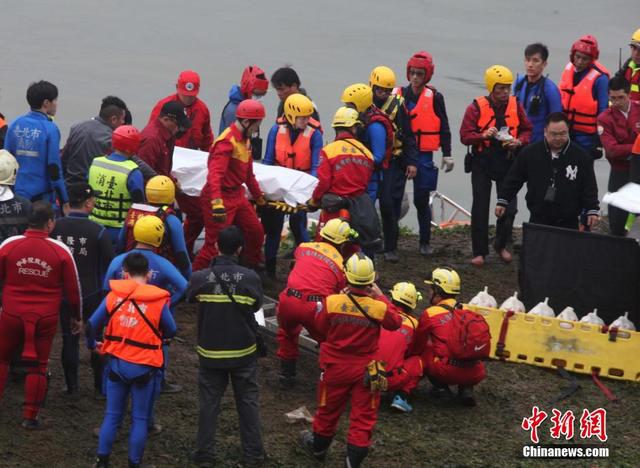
(317, 273)
(198, 137)
(430, 341)
(345, 166)
(36, 272)
(403, 371)
(223, 197)
(351, 322)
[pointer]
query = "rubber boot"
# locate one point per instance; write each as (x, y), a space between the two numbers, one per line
(270, 268)
(102, 461)
(465, 393)
(287, 377)
(355, 456)
(315, 445)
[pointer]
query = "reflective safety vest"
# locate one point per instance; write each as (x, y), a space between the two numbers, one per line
(137, 211)
(487, 118)
(113, 200)
(631, 74)
(391, 107)
(376, 115)
(132, 333)
(578, 102)
(297, 155)
(424, 121)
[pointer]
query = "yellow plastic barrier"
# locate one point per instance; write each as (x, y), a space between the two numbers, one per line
(577, 347)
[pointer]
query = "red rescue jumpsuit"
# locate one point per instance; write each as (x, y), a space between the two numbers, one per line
(230, 166)
(345, 168)
(318, 272)
(403, 372)
(351, 343)
(430, 343)
(35, 271)
(199, 137)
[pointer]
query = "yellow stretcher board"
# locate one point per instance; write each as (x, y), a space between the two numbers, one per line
(574, 346)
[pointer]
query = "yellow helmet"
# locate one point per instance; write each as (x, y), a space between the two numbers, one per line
(446, 279)
(635, 38)
(497, 74)
(336, 231)
(297, 105)
(359, 270)
(149, 230)
(8, 168)
(383, 77)
(406, 293)
(360, 95)
(160, 190)
(345, 117)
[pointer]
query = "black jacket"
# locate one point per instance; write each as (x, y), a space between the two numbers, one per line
(571, 173)
(226, 330)
(14, 213)
(90, 245)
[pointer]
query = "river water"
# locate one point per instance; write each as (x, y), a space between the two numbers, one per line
(135, 50)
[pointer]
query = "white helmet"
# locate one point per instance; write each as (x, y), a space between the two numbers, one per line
(8, 168)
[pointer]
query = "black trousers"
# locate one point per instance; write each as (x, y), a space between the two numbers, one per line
(213, 384)
(70, 356)
(617, 217)
(390, 195)
(481, 189)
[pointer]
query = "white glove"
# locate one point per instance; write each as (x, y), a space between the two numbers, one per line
(447, 163)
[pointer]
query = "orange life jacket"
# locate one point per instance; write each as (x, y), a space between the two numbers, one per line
(425, 124)
(128, 336)
(297, 155)
(578, 101)
(487, 118)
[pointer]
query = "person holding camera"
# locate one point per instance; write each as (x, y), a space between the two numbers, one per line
(561, 182)
(228, 346)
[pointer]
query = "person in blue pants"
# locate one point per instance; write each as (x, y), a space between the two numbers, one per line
(148, 233)
(138, 320)
(294, 142)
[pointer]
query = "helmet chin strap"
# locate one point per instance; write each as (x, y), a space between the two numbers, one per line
(245, 128)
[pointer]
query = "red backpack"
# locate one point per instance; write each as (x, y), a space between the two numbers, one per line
(468, 334)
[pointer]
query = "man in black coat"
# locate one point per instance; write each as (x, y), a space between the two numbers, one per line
(560, 179)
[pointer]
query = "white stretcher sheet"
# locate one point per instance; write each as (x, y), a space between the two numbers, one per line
(277, 183)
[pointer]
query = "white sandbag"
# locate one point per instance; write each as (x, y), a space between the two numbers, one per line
(277, 183)
(513, 303)
(568, 314)
(623, 322)
(543, 309)
(484, 299)
(592, 317)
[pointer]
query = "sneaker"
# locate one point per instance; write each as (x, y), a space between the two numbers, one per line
(33, 424)
(306, 442)
(477, 261)
(391, 257)
(466, 396)
(401, 404)
(425, 249)
(170, 388)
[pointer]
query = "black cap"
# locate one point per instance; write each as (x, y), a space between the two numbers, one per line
(175, 110)
(79, 193)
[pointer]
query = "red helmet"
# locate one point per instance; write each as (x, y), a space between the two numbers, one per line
(422, 60)
(253, 78)
(587, 45)
(126, 138)
(250, 109)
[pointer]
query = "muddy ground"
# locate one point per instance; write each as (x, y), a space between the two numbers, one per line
(435, 434)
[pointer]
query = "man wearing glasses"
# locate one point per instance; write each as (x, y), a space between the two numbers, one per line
(559, 176)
